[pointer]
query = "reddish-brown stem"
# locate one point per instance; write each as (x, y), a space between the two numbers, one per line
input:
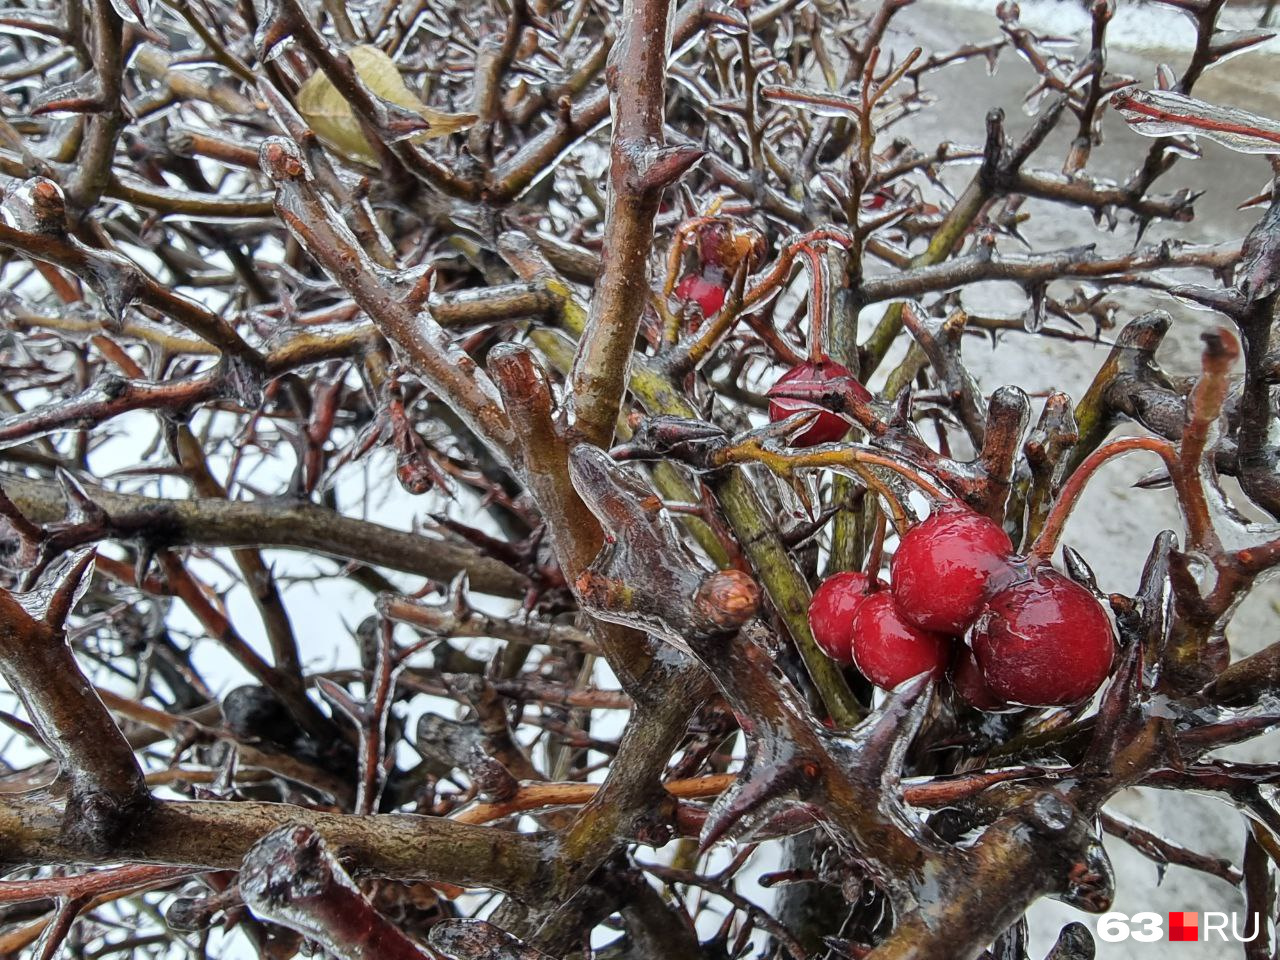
(107, 788)
(370, 717)
(875, 556)
(1047, 542)
(641, 167)
(1204, 407)
(434, 355)
(792, 248)
(90, 264)
(88, 884)
(1133, 102)
(819, 306)
(291, 878)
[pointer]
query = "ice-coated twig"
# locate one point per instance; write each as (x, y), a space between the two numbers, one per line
(291, 878)
(107, 791)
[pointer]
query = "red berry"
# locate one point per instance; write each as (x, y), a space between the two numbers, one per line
(702, 290)
(828, 427)
(831, 613)
(888, 650)
(1045, 641)
(877, 200)
(725, 244)
(966, 677)
(941, 568)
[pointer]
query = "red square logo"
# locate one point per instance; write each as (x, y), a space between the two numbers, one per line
(1184, 925)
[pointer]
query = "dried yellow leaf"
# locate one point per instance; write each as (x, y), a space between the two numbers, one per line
(334, 122)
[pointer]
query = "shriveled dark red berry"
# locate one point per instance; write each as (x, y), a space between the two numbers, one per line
(727, 243)
(888, 650)
(1044, 641)
(828, 427)
(831, 613)
(966, 677)
(707, 292)
(941, 569)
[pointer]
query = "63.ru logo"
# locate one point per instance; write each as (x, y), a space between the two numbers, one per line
(1183, 925)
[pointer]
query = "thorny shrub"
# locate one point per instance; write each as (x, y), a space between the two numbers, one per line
(588, 296)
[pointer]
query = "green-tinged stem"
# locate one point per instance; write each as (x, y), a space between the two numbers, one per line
(215, 835)
(270, 523)
(639, 170)
(846, 526)
(900, 377)
(782, 581)
(944, 240)
(559, 350)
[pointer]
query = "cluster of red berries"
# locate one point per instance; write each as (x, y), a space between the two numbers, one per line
(722, 247)
(1031, 636)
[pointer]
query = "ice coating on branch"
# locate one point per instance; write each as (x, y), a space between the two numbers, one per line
(35, 206)
(290, 877)
(38, 206)
(1258, 275)
(132, 11)
(645, 576)
(61, 586)
(479, 940)
(272, 36)
(1163, 113)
